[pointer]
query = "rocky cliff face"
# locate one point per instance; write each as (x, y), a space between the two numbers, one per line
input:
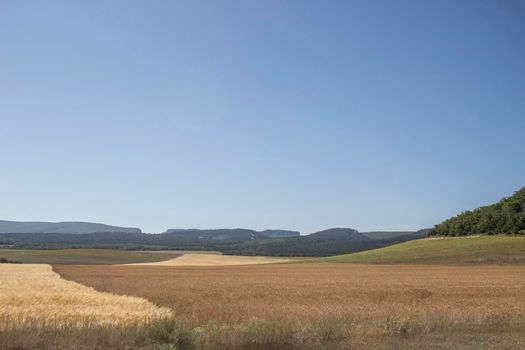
(229, 234)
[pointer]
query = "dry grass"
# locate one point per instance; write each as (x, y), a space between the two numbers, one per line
(330, 305)
(215, 260)
(34, 295)
(85, 256)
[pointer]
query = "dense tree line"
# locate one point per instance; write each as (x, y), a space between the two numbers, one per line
(505, 217)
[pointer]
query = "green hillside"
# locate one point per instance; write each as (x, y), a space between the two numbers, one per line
(505, 217)
(498, 250)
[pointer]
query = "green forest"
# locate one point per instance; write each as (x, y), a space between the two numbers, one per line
(505, 217)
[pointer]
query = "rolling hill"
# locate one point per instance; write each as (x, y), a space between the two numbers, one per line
(324, 243)
(73, 227)
(228, 241)
(389, 234)
(496, 250)
(236, 234)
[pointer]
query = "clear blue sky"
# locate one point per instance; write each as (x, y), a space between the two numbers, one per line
(260, 114)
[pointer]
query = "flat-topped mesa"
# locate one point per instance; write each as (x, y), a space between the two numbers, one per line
(229, 234)
(339, 233)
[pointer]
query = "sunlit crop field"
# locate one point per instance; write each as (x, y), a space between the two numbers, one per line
(34, 294)
(215, 260)
(356, 305)
(40, 310)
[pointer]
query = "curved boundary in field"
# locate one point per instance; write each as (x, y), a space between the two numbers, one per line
(36, 295)
(215, 260)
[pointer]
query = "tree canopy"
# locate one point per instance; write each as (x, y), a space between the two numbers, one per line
(505, 217)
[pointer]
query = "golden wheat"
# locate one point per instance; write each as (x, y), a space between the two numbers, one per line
(35, 294)
(360, 291)
(215, 260)
(379, 299)
(272, 306)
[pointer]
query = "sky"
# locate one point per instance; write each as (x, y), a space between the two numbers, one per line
(303, 115)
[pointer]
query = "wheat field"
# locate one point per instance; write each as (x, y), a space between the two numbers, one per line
(35, 295)
(327, 305)
(262, 306)
(215, 260)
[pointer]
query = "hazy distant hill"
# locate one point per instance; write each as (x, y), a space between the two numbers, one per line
(61, 227)
(338, 233)
(229, 241)
(237, 234)
(386, 234)
(280, 233)
(324, 243)
(505, 217)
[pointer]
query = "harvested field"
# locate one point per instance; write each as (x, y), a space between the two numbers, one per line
(366, 306)
(216, 260)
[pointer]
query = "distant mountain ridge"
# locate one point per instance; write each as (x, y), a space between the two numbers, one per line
(236, 233)
(337, 233)
(228, 241)
(388, 234)
(323, 243)
(73, 227)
